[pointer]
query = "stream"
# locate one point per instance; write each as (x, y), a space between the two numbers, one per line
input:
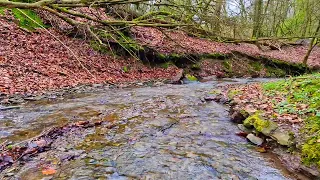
(165, 132)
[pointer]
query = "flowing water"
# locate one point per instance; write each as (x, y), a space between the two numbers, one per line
(164, 132)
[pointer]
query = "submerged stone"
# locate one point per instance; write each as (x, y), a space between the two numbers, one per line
(191, 77)
(254, 139)
(244, 129)
(5, 108)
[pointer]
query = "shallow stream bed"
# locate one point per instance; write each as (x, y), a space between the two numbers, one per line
(165, 132)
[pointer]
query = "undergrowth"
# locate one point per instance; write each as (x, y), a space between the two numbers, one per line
(301, 91)
(2, 10)
(28, 19)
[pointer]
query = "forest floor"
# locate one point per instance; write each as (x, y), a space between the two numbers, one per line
(287, 111)
(31, 63)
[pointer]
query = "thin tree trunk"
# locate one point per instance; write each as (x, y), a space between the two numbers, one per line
(257, 18)
(217, 27)
(311, 45)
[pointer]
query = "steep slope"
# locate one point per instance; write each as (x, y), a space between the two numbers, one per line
(34, 62)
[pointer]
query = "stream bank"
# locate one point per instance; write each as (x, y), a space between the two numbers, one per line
(164, 132)
(163, 69)
(283, 114)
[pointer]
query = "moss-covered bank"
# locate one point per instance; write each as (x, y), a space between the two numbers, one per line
(235, 64)
(227, 65)
(301, 91)
(287, 111)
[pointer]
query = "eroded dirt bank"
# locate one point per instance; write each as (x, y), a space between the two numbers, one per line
(45, 60)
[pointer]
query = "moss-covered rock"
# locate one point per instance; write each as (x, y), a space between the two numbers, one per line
(268, 128)
(283, 138)
(267, 131)
(257, 122)
(244, 129)
(191, 77)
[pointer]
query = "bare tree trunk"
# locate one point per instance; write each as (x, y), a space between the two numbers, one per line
(257, 18)
(312, 44)
(217, 27)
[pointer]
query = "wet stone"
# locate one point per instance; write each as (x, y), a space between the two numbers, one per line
(270, 129)
(283, 138)
(16, 100)
(243, 128)
(110, 170)
(5, 108)
(35, 98)
(254, 139)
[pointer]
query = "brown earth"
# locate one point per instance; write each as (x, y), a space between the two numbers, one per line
(168, 42)
(49, 60)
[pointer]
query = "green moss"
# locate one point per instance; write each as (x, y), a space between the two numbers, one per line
(125, 69)
(10, 146)
(289, 68)
(257, 66)
(196, 66)
(215, 56)
(215, 91)
(233, 92)
(301, 90)
(275, 72)
(311, 152)
(311, 148)
(227, 66)
(162, 57)
(97, 47)
(285, 64)
(257, 122)
(175, 57)
(166, 65)
(2, 10)
(244, 113)
(191, 78)
(28, 19)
